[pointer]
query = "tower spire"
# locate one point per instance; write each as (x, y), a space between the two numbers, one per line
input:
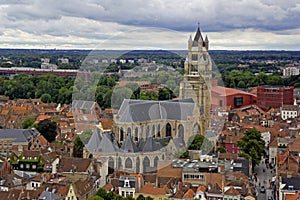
(198, 35)
(206, 39)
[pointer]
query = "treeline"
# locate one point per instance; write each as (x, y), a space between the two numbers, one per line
(245, 79)
(50, 88)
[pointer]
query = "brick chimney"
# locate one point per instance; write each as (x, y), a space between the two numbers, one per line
(180, 186)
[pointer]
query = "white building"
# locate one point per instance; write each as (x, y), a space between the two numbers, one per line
(289, 111)
(127, 186)
(63, 60)
(290, 71)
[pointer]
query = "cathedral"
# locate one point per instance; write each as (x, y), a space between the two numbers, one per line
(147, 131)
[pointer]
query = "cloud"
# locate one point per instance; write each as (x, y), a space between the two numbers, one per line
(97, 21)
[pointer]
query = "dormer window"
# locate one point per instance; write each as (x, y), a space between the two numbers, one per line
(126, 183)
(291, 187)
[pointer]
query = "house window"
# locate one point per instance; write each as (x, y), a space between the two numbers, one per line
(238, 101)
(221, 103)
(32, 184)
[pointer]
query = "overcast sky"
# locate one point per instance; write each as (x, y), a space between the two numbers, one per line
(153, 24)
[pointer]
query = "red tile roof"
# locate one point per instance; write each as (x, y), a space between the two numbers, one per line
(292, 196)
(166, 170)
(201, 188)
(151, 189)
(189, 194)
(42, 139)
(232, 192)
(294, 146)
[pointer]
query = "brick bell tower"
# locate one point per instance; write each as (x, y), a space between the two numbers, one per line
(197, 77)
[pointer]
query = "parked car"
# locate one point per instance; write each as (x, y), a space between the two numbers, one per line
(262, 189)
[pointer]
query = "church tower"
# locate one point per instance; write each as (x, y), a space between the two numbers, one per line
(197, 76)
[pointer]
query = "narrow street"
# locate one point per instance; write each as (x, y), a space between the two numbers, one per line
(264, 176)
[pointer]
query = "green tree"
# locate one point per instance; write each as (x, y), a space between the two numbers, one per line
(252, 146)
(78, 148)
(198, 142)
(48, 129)
(128, 197)
(165, 94)
(46, 98)
(140, 197)
(96, 198)
(28, 122)
(221, 150)
(241, 84)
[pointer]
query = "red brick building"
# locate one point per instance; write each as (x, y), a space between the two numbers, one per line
(229, 97)
(274, 96)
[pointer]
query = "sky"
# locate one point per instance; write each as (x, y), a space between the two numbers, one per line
(149, 24)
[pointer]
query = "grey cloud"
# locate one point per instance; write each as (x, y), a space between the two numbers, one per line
(174, 14)
(95, 19)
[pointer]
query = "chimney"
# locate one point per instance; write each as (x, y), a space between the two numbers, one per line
(180, 186)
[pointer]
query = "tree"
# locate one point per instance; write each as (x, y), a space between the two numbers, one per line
(96, 198)
(48, 129)
(221, 150)
(78, 148)
(140, 197)
(28, 122)
(198, 142)
(165, 94)
(46, 98)
(128, 197)
(241, 84)
(252, 146)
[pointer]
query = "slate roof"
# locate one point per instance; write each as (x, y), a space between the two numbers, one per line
(83, 105)
(293, 181)
(145, 110)
(102, 142)
(128, 145)
(150, 145)
(20, 135)
(49, 196)
(179, 142)
(244, 165)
